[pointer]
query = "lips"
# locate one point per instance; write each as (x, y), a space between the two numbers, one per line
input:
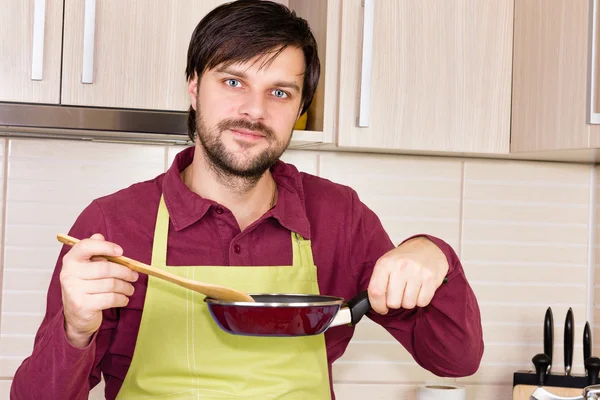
(248, 134)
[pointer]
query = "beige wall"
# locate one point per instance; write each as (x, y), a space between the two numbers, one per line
(522, 229)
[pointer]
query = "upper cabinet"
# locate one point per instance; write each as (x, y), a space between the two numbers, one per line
(129, 54)
(30, 46)
(426, 75)
(556, 80)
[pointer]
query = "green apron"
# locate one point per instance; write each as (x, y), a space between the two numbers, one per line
(181, 353)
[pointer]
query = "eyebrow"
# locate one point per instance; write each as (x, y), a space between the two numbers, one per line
(243, 75)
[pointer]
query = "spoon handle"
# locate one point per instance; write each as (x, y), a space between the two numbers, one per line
(217, 292)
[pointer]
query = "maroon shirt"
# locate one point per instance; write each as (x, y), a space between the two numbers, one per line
(347, 239)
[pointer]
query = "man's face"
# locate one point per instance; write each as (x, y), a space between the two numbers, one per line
(246, 113)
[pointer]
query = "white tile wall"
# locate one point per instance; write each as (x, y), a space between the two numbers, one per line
(521, 229)
(409, 194)
(524, 248)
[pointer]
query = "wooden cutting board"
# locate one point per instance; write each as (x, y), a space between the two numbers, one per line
(523, 392)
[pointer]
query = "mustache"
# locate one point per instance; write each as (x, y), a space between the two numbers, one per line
(245, 124)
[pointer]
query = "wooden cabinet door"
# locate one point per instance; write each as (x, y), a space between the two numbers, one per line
(440, 75)
(552, 76)
(135, 52)
(30, 47)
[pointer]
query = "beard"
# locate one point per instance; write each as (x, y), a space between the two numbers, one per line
(225, 162)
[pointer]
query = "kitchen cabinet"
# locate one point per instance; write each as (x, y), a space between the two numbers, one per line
(31, 32)
(426, 75)
(556, 81)
(129, 54)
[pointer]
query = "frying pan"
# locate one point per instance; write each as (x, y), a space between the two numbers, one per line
(287, 314)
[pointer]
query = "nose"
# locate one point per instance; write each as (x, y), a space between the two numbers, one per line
(253, 106)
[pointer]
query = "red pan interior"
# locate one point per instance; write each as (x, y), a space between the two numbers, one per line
(276, 315)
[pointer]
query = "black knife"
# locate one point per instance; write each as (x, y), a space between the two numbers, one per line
(591, 364)
(549, 336)
(587, 342)
(568, 339)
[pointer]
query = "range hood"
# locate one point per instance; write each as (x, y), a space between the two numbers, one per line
(93, 124)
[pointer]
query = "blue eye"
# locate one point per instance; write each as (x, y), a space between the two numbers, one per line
(233, 83)
(280, 93)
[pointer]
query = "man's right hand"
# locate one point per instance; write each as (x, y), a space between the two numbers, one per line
(91, 284)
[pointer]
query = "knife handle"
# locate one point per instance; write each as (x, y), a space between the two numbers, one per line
(541, 362)
(549, 335)
(592, 366)
(587, 342)
(568, 340)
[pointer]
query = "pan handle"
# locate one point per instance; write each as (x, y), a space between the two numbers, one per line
(353, 311)
(359, 306)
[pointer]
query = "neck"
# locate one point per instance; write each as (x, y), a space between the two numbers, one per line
(247, 198)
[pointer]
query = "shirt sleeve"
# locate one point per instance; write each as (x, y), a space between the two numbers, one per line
(445, 337)
(56, 369)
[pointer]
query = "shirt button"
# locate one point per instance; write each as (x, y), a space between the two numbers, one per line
(237, 248)
(219, 210)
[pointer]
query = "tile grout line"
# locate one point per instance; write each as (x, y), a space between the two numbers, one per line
(318, 171)
(7, 143)
(166, 158)
(591, 248)
(461, 208)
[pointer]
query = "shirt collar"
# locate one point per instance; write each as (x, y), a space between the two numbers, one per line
(186, 207)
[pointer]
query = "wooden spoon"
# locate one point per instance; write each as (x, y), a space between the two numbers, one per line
(213, 291)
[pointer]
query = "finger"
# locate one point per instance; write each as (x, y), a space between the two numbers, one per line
(426, 294)
(378, 288)
(103, 269)
(87, 248)
(109, 285)
(104, 301)
(395, 290)
(411, 293)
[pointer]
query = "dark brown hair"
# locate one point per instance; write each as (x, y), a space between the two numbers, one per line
(243, 29)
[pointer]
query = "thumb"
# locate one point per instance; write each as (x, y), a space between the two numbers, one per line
(97, 236)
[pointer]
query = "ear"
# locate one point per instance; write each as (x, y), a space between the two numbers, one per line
(193, 90)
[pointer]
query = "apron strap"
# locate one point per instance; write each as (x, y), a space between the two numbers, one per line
(302, 251)
(161, 233)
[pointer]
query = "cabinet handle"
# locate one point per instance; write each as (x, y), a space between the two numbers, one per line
(593, 114)
(89, 28)
(364, 112)
(37, 54)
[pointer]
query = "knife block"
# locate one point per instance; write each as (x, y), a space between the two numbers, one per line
(525, 383)
(523, 392)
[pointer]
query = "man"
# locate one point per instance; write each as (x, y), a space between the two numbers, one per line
(229, 212)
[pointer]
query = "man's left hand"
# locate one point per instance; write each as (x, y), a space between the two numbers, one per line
(407, 276)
